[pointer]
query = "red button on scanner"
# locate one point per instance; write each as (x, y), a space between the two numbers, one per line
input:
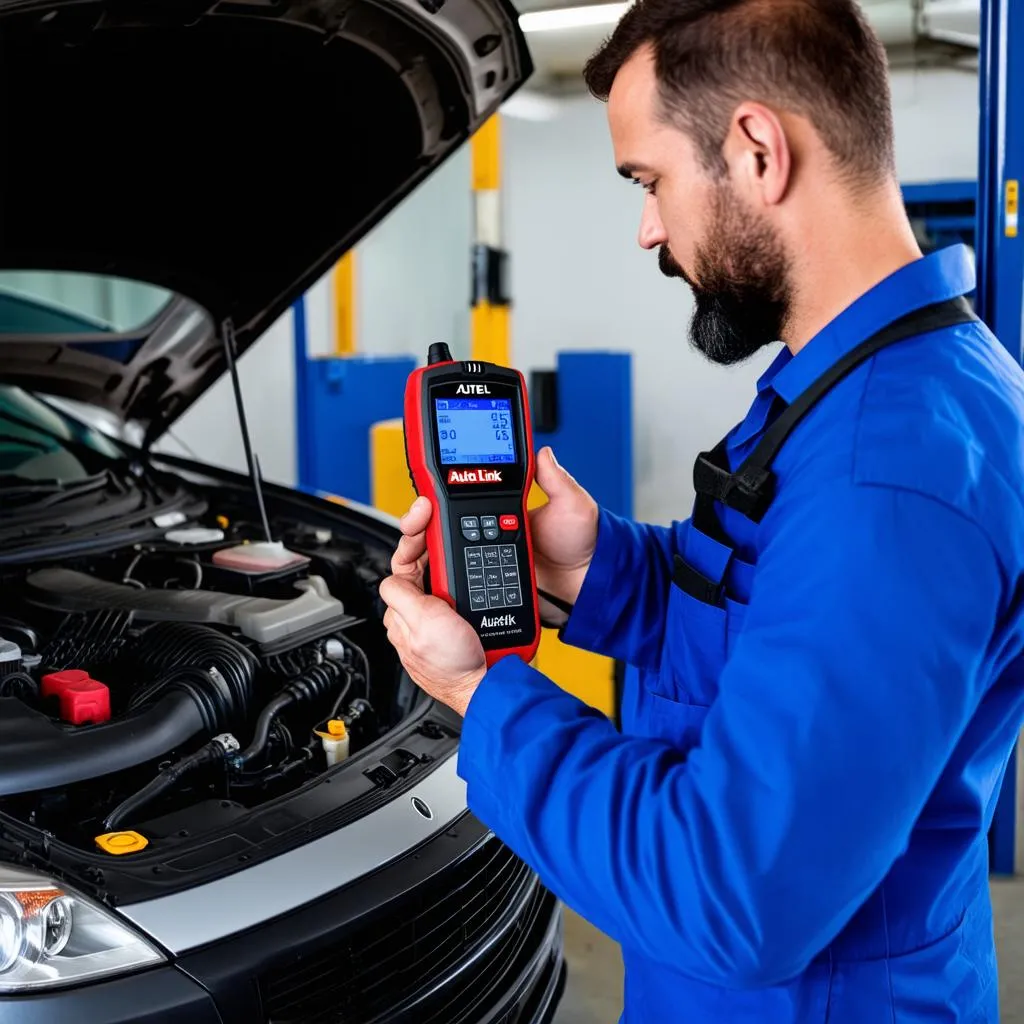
(509, 523)
(82, 699)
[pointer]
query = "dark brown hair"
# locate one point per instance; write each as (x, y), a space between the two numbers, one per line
(817, 58)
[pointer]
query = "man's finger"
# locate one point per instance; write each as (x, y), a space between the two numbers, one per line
(415, 520)
(408, 559)
(395, 625)
(404, 598)
(553, 480)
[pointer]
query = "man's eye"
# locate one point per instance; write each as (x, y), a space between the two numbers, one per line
(648, 186)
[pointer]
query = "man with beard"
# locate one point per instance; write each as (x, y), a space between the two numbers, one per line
(791, 825)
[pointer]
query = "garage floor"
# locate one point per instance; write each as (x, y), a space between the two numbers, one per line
(594, 991)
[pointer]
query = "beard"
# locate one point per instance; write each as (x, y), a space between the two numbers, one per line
(740, 284)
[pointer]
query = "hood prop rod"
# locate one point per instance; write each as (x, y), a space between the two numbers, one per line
(252, 461)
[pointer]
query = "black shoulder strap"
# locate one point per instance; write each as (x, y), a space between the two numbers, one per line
(751, 488)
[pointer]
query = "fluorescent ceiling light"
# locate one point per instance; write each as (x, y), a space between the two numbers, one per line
(572, 17)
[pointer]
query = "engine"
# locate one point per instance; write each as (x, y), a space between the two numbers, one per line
(143, 682)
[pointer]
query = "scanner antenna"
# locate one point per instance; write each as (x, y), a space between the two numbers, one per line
(228, 336)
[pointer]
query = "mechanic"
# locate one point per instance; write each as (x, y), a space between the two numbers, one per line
(791, 822)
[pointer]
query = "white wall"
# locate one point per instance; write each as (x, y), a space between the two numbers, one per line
(579, 280)
(209, 430)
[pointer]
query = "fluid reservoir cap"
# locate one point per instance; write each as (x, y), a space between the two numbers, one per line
(10, 658)
(194, 535)
(336, 727)
(119, 843)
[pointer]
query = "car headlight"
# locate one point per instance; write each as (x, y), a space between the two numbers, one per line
(51, 936)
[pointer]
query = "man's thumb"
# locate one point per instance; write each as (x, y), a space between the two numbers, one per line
(554, 481)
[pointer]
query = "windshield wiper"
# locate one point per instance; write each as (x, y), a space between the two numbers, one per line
(34, 498)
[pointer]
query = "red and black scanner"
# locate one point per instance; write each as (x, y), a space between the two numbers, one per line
(469, 446)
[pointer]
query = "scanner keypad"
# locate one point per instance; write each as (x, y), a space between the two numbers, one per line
(492, 570)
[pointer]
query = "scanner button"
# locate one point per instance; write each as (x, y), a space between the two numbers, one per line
(491, 533)
(510, 576)
(474, 558)
(476, 579)
(508, 554)
(488, 522)
(473, 536)
(470, 523)
(513, 598)
(492, 578)
(491, 557)
(478, 600)
(510, 523)
(496, 598)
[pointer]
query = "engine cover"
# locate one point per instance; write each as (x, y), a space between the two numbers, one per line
(274, 624)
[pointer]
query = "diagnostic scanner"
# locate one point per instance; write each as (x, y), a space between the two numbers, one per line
(469, 446)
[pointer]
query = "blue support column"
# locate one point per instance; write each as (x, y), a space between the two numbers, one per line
(1000, 300)
(303, 430)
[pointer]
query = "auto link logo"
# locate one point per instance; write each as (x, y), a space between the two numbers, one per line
(474, 476)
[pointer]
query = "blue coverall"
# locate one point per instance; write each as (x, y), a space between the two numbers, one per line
(791, 824)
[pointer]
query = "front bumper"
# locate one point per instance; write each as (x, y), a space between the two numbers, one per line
(457, 931)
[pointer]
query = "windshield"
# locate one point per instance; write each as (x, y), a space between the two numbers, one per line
(48, 302)
(37, 443)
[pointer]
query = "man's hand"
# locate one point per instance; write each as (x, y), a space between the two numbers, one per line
(439, 649)
(564, 530)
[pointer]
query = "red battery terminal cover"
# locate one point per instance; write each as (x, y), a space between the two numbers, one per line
(82, 698)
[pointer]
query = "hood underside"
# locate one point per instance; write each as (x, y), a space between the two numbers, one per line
(227, 152)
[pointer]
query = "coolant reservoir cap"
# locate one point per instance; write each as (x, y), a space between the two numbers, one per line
(118, 843)
(336, 727)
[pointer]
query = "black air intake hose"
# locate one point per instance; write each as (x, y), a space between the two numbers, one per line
(37, 753)
(184, 645)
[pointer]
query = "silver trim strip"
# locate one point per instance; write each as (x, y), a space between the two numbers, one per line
(264, 891)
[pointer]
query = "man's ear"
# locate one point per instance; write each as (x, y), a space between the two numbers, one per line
(758, 153)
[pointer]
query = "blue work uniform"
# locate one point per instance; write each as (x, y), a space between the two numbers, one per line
(791, 825)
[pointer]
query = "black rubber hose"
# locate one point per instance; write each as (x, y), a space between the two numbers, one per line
(176, 644)
(21, 685)
(38, 754)
(317, 682)
(262, 732)
(168, 778)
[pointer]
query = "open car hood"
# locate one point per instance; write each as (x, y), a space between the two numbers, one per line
(227, 152)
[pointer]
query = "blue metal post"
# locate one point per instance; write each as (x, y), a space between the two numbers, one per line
(303, 431)
(1000, 299)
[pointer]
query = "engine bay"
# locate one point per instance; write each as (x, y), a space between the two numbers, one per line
(143, 686)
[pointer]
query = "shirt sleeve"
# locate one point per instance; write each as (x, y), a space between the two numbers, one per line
(620, 611)
(864, 655)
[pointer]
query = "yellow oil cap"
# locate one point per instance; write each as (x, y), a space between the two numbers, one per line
(122, 842)
(336, 727)
(223, 522)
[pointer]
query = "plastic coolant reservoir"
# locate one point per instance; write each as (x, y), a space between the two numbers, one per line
(335, 739)
(259, 557)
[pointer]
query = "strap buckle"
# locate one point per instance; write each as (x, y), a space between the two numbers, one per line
(748, 491)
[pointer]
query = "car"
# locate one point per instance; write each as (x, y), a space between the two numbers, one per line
(222, 799)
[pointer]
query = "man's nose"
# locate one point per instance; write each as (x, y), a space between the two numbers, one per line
(652, 231)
